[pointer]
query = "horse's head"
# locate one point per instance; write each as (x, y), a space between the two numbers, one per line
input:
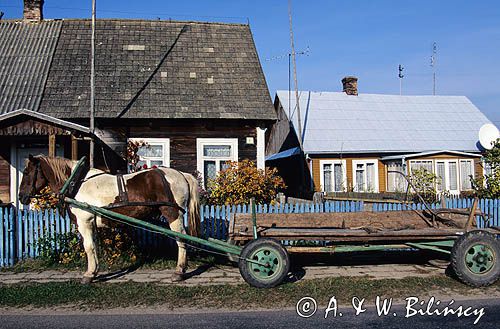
(33, 180)
(40, 172)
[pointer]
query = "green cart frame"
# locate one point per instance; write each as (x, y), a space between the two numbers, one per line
(264, 262)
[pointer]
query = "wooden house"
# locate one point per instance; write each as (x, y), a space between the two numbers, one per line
(358, 142)
(194, 91)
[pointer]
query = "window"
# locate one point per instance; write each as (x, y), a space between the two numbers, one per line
(213, 155)
(447, 171)
(155, 153)
(365, 175)
(395, 181)
(332, 175)
(466, 171)
(421, 164)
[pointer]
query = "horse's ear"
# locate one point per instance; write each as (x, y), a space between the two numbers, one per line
(33, 159)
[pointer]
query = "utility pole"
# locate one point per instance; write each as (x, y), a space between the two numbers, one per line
(92, 89)
(401, 76)
(302, 52)
(433, 65)
(299, 119)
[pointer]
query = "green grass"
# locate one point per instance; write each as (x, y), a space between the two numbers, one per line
(111, 295)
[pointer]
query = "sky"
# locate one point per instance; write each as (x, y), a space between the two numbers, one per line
(364, 38)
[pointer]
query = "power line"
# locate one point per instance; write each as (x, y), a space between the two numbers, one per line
(140, 13)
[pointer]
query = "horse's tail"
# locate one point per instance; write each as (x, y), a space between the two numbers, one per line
(194, 206)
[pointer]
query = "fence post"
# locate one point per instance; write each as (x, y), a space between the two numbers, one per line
(2, 212)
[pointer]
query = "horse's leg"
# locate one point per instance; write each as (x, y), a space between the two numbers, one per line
(177, 225)
(86, 229)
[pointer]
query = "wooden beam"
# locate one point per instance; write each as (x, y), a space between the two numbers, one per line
(52, 145)
(74, 148)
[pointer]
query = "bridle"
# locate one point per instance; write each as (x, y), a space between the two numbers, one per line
(32, 194)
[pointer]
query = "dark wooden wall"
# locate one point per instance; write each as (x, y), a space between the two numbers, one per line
(5, 171)
(183, 137)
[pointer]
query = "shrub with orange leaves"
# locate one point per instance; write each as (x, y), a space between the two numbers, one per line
(46, 199)
(242, 181)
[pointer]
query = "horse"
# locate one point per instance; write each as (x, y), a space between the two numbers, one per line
(149, 193)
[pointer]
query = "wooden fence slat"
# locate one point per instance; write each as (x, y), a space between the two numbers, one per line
(19, 236)
(2, 237)
(11, 238)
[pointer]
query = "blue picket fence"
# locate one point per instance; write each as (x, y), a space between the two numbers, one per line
(488, 206)
(215, 219)
(20, 230)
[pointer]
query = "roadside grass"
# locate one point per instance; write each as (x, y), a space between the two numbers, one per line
(146, 262)
(130, 294)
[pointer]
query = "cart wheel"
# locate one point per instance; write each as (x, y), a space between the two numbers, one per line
(269, 252)
(475, 258)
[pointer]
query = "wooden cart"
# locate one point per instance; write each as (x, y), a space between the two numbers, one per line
(264, 262)
(475, 253)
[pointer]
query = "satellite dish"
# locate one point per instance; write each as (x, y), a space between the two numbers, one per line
(488, 134)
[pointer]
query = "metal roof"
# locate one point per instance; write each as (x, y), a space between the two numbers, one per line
(334, 122)
(423, 154)
(25, 55)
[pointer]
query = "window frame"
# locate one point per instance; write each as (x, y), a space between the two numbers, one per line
(447, 175)
(343, 165)
(200, 158)
(165, 142)
(433, 169)
(473, 173)
(401, 164)
(365, 162)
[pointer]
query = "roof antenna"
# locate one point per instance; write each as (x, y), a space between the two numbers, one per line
(401, 76)
(295, 75)
(433, 65)
(302, 52)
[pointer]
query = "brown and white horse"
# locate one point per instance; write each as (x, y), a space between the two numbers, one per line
(156, 186)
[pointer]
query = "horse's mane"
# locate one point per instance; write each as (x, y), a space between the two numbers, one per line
(60, 167)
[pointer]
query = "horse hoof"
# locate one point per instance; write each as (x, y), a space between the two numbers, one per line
(87, 280)
(177, 277)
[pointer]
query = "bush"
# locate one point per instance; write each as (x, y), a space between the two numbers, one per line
(115, 247)
(425, 183)
(47, 199)
(242, 181)
(489, 185)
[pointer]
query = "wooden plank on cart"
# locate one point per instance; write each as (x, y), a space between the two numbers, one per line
(360, 224)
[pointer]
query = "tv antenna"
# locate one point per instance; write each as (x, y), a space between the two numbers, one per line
(289, 55)
(433, 65)
(401, 76)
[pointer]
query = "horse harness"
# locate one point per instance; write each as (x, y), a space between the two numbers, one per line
(123, 200)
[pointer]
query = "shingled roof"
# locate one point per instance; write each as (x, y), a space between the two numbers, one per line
(154, 69)
(25, 56)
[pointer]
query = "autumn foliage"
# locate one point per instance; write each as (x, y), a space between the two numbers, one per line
(242, 181)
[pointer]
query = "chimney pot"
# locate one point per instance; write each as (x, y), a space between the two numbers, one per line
(33, 10)
(350, 85)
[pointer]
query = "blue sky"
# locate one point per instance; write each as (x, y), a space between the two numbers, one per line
(365, 38)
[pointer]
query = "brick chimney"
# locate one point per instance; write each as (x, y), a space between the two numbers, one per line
(33, 10)
(350, 85)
